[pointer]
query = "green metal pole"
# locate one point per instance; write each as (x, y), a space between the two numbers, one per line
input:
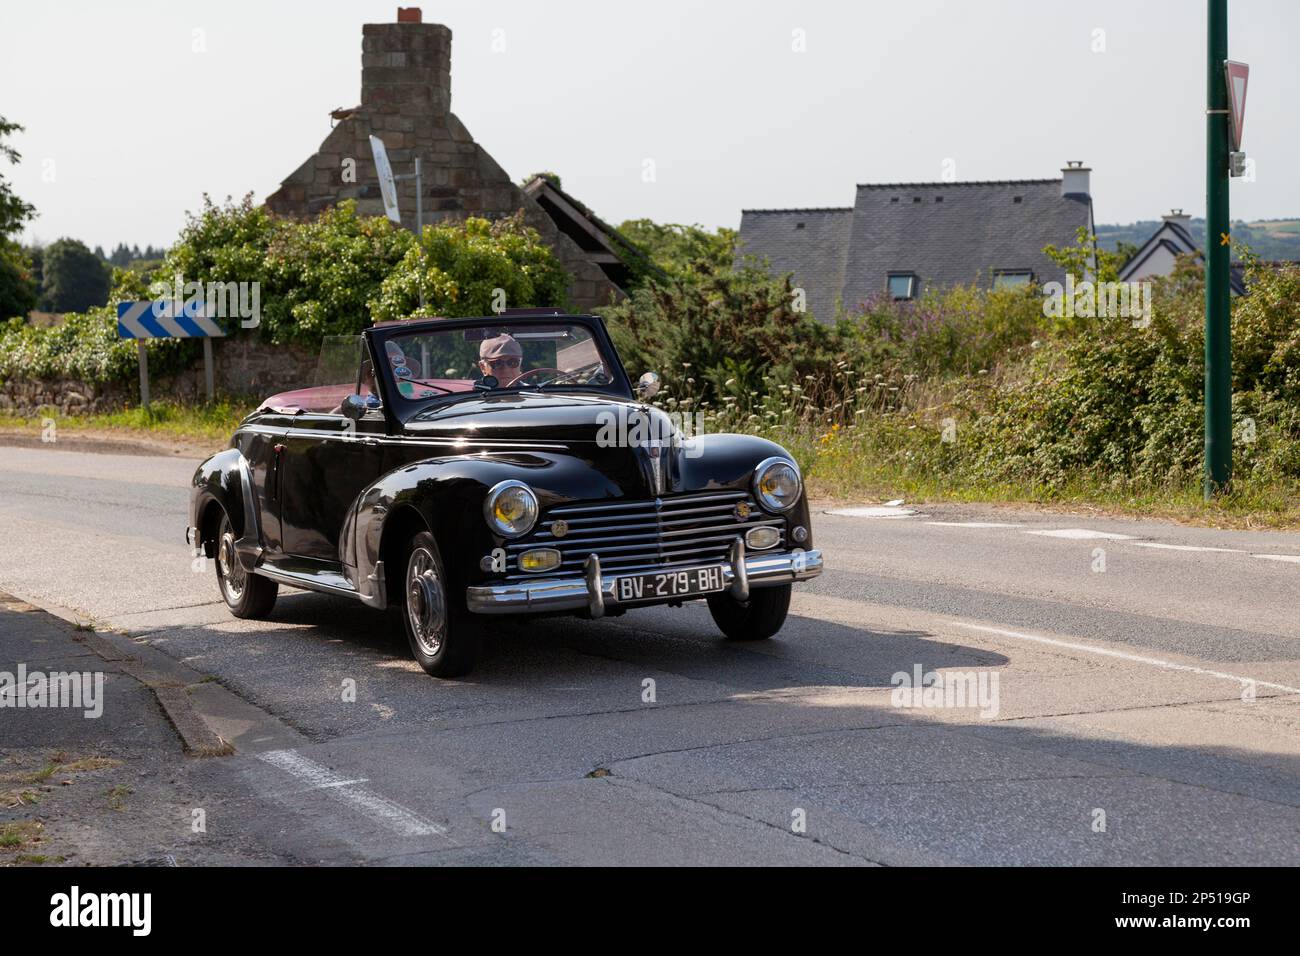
(1218, 331)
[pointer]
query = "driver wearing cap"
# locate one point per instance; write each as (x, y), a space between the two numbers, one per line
(501, 357)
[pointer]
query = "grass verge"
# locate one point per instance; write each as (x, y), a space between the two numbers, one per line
(207, 424)
(877, 464)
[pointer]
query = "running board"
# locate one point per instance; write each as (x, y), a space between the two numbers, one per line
(326, 579)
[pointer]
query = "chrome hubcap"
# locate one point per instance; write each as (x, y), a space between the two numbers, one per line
(425, 602)
(231, 571)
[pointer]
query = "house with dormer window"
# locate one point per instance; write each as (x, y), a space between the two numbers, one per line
(897, 240)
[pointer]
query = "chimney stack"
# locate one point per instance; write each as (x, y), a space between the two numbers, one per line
(1075, 179)
(406, 66)
(1178, 218)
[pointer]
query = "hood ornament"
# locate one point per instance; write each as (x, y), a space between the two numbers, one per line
(654, 454)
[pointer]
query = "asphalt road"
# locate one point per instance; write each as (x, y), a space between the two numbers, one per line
(1142, 697)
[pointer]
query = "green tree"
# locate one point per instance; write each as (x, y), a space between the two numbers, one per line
(682, 250)
(1078, 259)
(466, 265)
(717, 332)
(74, 279)
(17, 287)
(13, 211)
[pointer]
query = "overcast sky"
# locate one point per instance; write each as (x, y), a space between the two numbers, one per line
(127, 125)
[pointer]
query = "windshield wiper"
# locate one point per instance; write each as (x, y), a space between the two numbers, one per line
(424, 384)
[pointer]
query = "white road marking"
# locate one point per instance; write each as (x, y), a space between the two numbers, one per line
(882, 511)
(1136, 658)
(974, 524)
(1081, 534)
(1292, 558)
(1184, 547)
(379, 808)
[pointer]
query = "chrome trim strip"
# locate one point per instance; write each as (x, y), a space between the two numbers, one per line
(657, 503)
(496, 444)
(651, 533)
(590, 591)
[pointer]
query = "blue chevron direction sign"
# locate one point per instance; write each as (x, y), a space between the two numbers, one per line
(165, 319)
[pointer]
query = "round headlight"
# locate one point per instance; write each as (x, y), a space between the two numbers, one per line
(510, 508)
(777, 484)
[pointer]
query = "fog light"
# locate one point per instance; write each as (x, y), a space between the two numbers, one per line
(762, 537)
(539, 559)
(800, 534)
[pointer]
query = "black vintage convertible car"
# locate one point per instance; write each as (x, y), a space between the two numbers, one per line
(499, 465)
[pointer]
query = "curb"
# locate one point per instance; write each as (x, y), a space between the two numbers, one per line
(197, 722)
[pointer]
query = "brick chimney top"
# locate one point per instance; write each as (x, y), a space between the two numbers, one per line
(1075, 179)
(406, 66)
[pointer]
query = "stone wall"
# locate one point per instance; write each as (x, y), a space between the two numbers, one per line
(406, 102)
(242, 366)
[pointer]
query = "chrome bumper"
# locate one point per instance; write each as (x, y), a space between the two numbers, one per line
(594, 592)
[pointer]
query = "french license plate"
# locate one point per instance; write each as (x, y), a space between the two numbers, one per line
(667, 584)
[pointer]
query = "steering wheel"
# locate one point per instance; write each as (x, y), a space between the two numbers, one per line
(560, 373)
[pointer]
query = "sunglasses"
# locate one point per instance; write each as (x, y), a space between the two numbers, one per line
(507, 362)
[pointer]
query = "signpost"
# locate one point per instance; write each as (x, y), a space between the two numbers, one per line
(1236, 75)
(1219, 161)
(388, 189)
(387, 181)
(167, 319)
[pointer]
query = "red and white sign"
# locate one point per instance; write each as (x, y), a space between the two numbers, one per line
(1237, 76)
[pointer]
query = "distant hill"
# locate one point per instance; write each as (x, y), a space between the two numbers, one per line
(1267, 238)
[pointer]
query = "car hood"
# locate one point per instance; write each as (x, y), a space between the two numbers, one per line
(603, 454)
(632, 446)
(534, 416)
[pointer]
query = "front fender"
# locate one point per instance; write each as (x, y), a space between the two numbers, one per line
(226, 480)
(448, 493)
(727, 461)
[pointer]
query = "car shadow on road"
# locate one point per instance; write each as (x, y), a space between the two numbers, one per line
(685, 642)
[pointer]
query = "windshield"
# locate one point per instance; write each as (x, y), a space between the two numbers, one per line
(429, 362)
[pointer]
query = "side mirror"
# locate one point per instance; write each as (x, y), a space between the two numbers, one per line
(354, 406)
(647, 386)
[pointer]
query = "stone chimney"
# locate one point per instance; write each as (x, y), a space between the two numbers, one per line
(1178, 218)
(1075, 179)
(406, 102)
(406, 66)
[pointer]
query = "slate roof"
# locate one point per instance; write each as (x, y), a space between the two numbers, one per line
(1178, 240)
(945, 233)
(606, 246)
(811, 243)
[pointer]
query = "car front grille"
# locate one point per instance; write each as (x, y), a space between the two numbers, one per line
(644, 535)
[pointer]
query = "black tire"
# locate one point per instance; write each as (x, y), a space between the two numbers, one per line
(754, 620)
(441, 633)
(246, 595)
